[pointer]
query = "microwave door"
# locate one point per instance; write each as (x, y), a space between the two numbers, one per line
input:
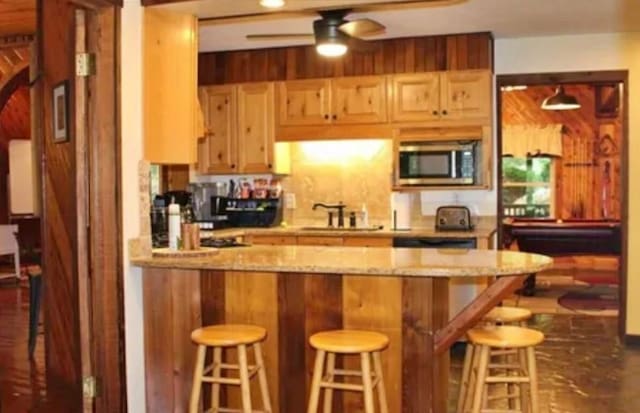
(425, 165)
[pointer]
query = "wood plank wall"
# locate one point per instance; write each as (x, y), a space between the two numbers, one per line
(406, 55)
(580, 174)
(59, 209)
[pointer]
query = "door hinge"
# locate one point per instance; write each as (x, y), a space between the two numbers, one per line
(85, 64)
(89, 387)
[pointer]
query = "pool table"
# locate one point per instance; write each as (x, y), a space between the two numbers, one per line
(558, 238)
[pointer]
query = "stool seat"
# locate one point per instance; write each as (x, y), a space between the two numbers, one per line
(227, 335)
(507, 315)
(505, 336)
(349, 341)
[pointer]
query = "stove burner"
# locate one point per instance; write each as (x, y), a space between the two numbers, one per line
(221, 243)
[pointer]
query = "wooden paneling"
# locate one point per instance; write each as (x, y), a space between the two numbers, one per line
(433, 53)
(376, 304)
(174, 303)
(59, 210)
(589, 170)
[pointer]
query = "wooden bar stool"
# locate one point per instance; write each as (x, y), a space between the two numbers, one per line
(219, 337)
(522, 374)
(368, 344)
(497, 316)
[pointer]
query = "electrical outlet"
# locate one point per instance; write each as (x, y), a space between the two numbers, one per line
(290, 201)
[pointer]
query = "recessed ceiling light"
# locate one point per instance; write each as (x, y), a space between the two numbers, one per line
(272, 4)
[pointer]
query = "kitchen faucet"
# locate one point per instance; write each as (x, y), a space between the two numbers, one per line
(339, 206)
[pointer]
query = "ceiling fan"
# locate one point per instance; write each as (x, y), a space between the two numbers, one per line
(333, 33)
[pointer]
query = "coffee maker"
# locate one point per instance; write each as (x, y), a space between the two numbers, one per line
(210, 205)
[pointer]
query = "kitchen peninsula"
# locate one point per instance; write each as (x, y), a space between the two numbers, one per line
(296, 291)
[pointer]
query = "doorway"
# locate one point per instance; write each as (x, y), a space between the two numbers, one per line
(562, 188)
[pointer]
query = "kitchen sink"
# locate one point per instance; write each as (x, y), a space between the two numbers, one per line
(336, 229)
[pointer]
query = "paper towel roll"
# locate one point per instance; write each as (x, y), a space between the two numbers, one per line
(401, 208)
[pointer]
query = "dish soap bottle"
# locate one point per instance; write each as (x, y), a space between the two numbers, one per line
(174, 225)
(364, 216)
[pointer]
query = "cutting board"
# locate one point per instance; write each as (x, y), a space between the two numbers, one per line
(168, 253)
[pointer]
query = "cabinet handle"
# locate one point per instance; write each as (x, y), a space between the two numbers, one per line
(335, 117)
(269, 166)
(219, 156)
(435, 112)
(444, 112)
(326, 116)
(233, 166)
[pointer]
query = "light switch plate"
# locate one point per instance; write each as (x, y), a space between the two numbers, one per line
(290, 201)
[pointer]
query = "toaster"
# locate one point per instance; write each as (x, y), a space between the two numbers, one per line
(453, 218)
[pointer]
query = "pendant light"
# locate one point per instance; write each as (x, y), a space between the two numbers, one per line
(560, 101)
(272, 4)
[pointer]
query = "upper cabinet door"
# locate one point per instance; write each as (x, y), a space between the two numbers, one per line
(304, 102)
(466, 94)
(256, 127)
(416, 97)
(218, 104)
(359, 99)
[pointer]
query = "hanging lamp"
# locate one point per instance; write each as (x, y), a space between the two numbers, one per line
(560, 101)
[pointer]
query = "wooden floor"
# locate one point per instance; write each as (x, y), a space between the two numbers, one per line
(22, 383)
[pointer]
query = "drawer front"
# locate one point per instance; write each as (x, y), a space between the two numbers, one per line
(272, 240)
(320, 241)
(367, 242)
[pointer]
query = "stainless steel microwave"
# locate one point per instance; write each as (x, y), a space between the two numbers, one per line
(436, 163)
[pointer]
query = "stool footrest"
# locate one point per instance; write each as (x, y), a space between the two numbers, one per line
(348, 386)
(506, 352)
(228, 410)
(505, 366)
(507, 379)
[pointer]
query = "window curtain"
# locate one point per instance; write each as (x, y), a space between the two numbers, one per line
(522, 141)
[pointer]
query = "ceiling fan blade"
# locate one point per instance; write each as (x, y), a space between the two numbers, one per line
(362, 46)
(362, 28)
(280, 36)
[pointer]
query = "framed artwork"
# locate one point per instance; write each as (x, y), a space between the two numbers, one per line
(607, 100)
(61, 127)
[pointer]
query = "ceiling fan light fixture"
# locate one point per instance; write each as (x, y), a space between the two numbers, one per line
(331, 49)
(272, 4)
(560, 101)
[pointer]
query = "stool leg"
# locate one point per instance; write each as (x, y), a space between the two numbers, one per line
(315, 383)
(524, 389)
(262, 378)
(382, 395)
(328, 392)
(473, 379)
(533, 378)
(464, 380)
(197, 380)
(215, 387)
(480, 379)
(367, 383)
(244, 379)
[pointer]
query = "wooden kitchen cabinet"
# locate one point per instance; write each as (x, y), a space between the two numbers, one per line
(239, 125)
(219, 106)
(256, 127)
(348, 100)
(304, 102)
(441, 96)
(367, 242)
(315, 240)
(466, 94)
(359, 100)
(170, 117)
(271, 240)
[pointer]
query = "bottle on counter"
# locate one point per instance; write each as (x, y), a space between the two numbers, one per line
(364, 216)
(174, 224)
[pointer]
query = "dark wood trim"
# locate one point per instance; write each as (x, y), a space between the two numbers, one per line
(107, 284)
(20, 79)
(18, 40)
(589, 77)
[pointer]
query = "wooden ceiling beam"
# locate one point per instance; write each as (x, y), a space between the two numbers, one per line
(15, 41)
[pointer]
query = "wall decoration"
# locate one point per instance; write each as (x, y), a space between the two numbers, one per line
(61, 113)
(607, 100)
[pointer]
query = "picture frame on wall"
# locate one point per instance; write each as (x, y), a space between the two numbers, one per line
(61, 129)
(607, 100)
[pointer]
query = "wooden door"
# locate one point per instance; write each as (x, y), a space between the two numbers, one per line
(416, 97)
(359, 99)
(304, 102)
(466, 94)
(219, 107)
(256, 129)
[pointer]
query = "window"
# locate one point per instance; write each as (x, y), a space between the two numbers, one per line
(527, 187)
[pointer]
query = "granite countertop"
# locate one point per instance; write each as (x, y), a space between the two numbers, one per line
(479, 232)
(360, 261)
